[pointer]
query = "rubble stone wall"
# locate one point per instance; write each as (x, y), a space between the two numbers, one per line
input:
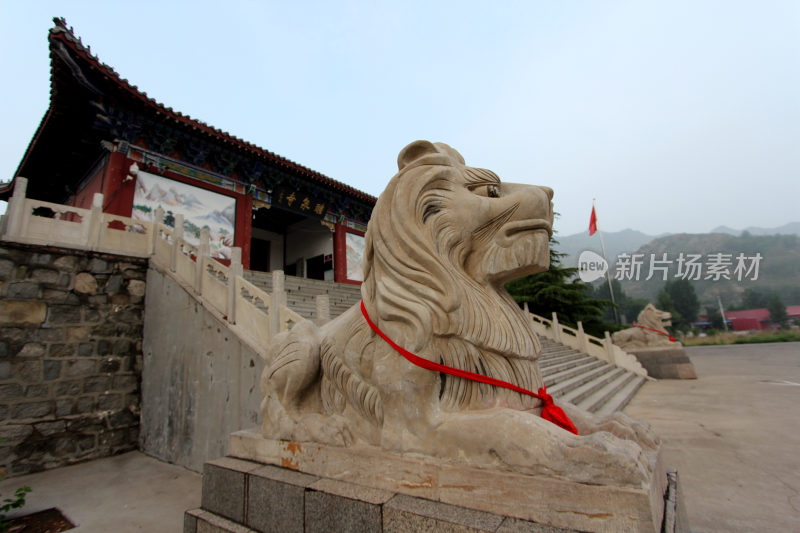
(70, 356)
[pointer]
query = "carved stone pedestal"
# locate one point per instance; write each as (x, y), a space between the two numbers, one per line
(271, 485)
(669, 362)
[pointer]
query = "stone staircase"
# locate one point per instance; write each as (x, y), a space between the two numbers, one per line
(301, 293)
(585, 381)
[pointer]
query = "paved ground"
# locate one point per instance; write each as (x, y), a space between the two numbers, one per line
(734, 436)
(122, 494)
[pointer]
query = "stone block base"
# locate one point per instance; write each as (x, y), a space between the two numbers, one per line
(298, 502)
(666, 363)
(326, 488)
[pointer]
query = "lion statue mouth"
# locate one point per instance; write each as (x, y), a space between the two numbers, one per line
(443, 240)
(537, 224)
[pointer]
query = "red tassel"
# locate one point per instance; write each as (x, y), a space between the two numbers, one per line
(554, 413)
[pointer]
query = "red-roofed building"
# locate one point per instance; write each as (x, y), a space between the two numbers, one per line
(281, 214)
(757, 319)
(749, 319)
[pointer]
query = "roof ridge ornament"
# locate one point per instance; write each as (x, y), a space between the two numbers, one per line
(61, 22)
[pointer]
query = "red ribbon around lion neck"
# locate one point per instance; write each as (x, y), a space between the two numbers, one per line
(550, 411)
(671, 338)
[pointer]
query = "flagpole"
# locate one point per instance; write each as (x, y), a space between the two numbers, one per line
(722, 312)
(608, 275)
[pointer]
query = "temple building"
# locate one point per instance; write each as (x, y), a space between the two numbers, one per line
(102, 134)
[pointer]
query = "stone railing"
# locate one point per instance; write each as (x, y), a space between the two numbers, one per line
(577, 339)
(35, 222)
(253, 313)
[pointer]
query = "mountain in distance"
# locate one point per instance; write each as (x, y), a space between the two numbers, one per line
(629, 240)
(229, 213)
(224, 218)
(778, 269)
(616, 242)
(792, 228)
(171, 197)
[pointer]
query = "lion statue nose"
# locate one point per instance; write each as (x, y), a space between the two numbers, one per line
(511, 188)
(535, 200)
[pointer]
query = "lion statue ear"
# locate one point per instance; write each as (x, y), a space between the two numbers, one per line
(413, 152)
(427, 153)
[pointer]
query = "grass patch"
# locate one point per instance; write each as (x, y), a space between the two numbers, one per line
(785, 335)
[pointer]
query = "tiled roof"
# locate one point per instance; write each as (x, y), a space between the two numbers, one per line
(61, 34)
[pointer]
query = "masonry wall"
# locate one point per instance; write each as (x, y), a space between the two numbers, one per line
(70, 356)
(200, 382)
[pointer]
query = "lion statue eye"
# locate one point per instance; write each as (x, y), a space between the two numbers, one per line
(493, 191)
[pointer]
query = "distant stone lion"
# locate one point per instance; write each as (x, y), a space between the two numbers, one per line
(645, 337)
(442, 241)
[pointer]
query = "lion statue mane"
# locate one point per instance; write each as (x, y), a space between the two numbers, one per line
(442, 241)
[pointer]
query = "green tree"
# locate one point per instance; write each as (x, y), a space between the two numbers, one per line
(754, 299)
(715, 318)
(664, 303)
(684, 302)
(777, 310)
(558, 289)
(790, 294)
(631, 307)
(628, 308)
(15, 502)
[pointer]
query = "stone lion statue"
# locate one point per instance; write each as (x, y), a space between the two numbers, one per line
(442, 241)
(644, 337)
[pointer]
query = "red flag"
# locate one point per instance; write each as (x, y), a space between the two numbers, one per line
(593, 223)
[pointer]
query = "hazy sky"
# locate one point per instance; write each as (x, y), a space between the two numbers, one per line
(677, 116)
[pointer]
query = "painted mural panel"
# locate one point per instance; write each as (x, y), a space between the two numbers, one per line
(355, 254)
(200, 208)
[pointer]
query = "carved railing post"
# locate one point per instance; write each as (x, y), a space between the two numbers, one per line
(177, 241)
(610, 349)
(16, 208)
(582, 340)
(323, 308)
(203, 251)
(95, 222)
(158, 219)
(277, 299)
(556, 328)
(234, 270)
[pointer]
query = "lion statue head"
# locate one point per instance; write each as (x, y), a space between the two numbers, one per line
(652, 317)
(442, 241)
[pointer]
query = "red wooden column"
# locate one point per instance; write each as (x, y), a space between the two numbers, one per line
(340, 254)
(118, 193)
(244, 226)
(110, 181)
